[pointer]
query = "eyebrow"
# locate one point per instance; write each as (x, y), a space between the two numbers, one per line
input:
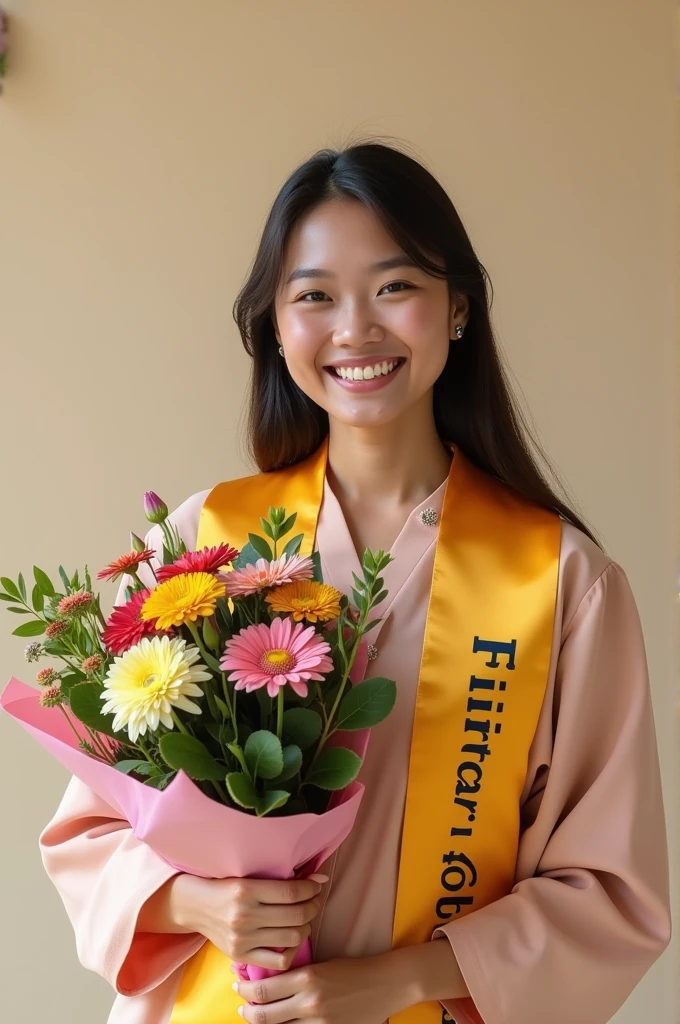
(390, 264)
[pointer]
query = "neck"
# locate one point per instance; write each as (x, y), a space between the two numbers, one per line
(398, 464)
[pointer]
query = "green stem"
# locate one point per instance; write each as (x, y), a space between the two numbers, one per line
(210, 696)
(68, 719)
(220, 792)
(231, 707)
(336, 703)
(180, 725)
(147, 753)
(279, 714)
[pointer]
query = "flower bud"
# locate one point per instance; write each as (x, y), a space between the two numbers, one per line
(136, 543)
(155, 510)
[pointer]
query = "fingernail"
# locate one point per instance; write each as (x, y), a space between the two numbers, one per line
(319, 878)
(240, 1010)
(235, 986)
(232, 968)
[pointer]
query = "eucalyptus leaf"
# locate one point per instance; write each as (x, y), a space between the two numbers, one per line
(43, 581)
(188, 754)
(334, 769)
(35, 628)
(366, 704)
(241, 790)
(264, 755)
(301, 726)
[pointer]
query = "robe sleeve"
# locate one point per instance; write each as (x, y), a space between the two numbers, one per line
(571, 942)
(103, 873)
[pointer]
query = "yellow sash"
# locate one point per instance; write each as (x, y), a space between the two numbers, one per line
(483, 674)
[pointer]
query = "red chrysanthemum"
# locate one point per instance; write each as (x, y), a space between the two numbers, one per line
(126, 563)
(125, 627)
(207, 560)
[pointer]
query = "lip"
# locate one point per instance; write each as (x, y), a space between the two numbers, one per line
(364, 385)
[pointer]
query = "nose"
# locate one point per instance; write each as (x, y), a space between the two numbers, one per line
(356, 326)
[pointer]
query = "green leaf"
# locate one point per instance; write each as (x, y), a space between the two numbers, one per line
(334, 769)
(22, 586)
(64, 579)
(271, 801)
(20, 611)
(141, 767)
(262, 548)
(223, 707)
(292, 763)
(241, 790)
(160, 781)
(366, 704)
(37, 599)
(248, 556)
(10, 588)
(7, 597)
(71, 679)
(35, 628)
(301, 726)
(75, 582)
(86, 704)
(316, 562)
(293, 545)
(43, 581)
(379, 598)
(267, 528)
(287, 525)
(188, 754)
(264, 755)
(210, 636)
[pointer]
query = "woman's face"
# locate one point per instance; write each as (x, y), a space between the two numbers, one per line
(386, 327)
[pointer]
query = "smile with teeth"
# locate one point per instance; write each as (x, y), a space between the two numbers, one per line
(367, 372)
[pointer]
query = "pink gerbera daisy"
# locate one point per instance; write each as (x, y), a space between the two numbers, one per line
(264, 574)
(206, 560)
(271, 656)
(125, 627)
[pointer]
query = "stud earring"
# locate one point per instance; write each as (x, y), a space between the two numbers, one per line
(280, 350)
(459, 331)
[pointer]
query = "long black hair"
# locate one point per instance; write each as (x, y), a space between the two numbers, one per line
(473, 402)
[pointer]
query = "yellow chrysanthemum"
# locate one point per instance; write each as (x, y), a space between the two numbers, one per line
(182, 599)
(306, 599)
(144, 685)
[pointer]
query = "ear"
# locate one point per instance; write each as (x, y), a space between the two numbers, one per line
(459, 312)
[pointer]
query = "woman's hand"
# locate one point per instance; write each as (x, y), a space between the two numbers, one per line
(244, 917)
(359, 991)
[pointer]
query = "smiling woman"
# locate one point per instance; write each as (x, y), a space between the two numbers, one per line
(495, 874)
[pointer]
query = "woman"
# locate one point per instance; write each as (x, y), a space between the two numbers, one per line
(367, 318)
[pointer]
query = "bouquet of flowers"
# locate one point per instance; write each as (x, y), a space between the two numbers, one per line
(223, 712)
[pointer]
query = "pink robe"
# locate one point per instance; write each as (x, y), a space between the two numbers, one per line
(589, 911)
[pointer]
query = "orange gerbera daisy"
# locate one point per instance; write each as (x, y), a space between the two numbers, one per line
(306, 599)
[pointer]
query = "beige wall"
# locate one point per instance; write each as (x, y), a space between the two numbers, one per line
(140, 146)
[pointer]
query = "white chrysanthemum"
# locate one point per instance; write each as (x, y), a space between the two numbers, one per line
(144, 684)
